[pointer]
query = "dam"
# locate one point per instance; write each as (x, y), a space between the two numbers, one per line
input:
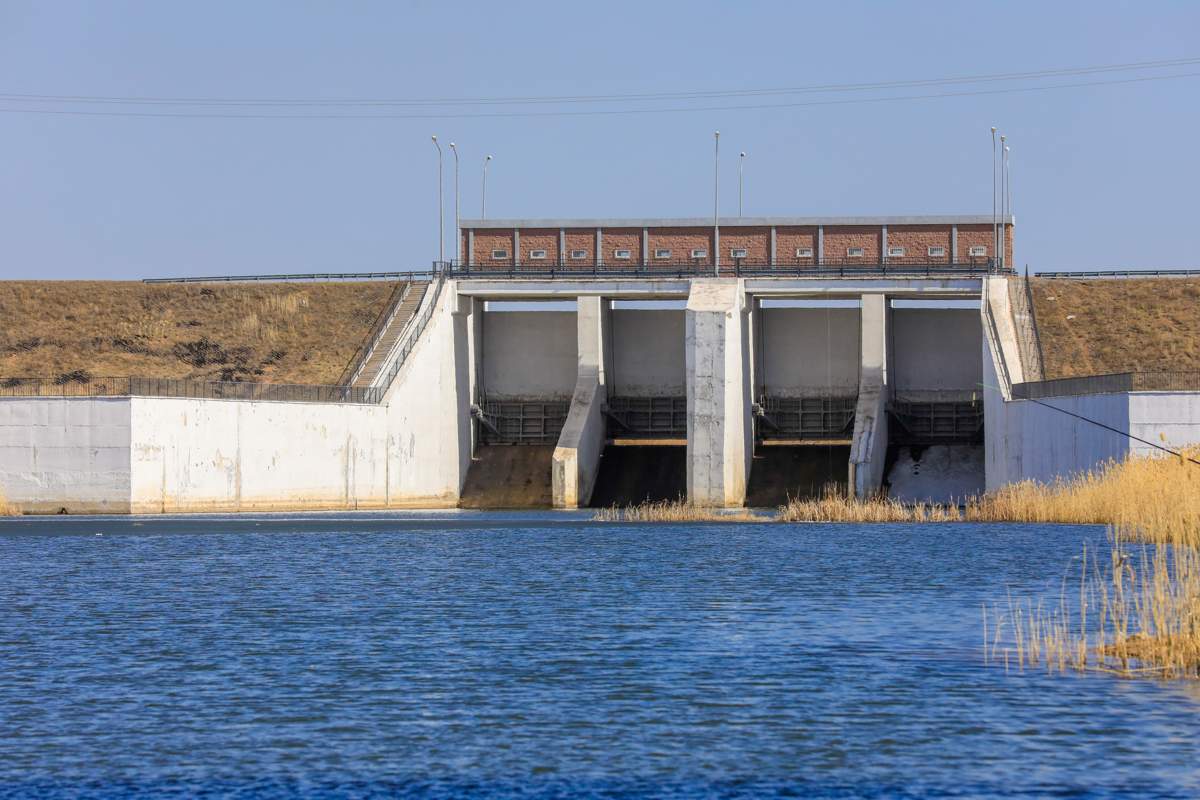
(577, 363)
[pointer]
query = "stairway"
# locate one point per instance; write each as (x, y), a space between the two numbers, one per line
(378, 357)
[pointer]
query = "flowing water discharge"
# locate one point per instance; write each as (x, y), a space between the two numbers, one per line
(540, 654)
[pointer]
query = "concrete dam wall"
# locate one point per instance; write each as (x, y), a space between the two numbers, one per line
(570, 393)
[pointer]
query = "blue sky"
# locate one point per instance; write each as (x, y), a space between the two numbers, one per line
(1103, 176)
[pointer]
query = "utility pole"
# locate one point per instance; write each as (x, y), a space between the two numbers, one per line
(441, 224)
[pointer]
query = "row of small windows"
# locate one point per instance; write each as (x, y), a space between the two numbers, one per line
(975, 251)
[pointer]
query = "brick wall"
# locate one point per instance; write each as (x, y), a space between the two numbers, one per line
(539, 239)
(916, 241)
(790, 239)
(488, 240)
(839, 239)
(581, 239)
(681, 242)
(755, 241)
(622, 239)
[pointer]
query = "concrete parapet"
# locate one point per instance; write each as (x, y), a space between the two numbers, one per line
(720, 423)
(868, 449)
(576, 459)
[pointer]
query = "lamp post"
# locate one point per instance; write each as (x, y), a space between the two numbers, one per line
(741, 160)
(1007, 201)
(441, 232)
(483, 191)
(716, 221)
(457, 234)
(994, 193)
(1002, 235)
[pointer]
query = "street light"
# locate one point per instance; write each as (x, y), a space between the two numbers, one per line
(741, 159)
(1007, 200)
(457, 234)
(483, 192)
(1003, 234)
(716, 221)
(441, 233)
(994, 239)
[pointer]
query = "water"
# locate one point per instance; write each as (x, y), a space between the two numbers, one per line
(509, 655)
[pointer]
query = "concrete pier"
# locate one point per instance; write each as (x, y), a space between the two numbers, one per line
(576, 459)
(720, 438)
(868, 448)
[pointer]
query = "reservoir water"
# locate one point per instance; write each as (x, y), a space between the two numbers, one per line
(529, 655)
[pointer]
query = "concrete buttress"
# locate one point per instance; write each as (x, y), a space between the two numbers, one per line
(720, 440)
(576, 458)
(868, 449)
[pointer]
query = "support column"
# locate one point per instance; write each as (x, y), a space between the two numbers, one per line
(720, 441)
(471, 247)
(868, 449)
(820, 245)
(516, 247)
(576, 459)
(599, 247)
(953, 244)
(773, 246)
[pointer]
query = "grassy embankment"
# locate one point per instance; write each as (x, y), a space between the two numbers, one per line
(267, 332)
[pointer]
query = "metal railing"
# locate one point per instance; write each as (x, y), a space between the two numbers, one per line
(1123, 273)
(382, 322)
(1108, 384)
(415, 328)
(299, 276)
(132, 386)
(839, 267)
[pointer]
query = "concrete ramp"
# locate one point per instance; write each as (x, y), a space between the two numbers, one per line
(635, 474)
(508, 476)
(780, 473)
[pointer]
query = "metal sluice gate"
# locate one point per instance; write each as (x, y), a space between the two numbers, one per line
(942, 421)
(804, 418)
(520, 421)
(646, 417)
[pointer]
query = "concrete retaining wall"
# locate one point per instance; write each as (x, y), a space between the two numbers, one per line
(935, 349)
(648, 357)
(529, 354)
(65, 453)
(809, 352)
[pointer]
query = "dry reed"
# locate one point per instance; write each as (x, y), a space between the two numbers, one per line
(7, 509)
(674, 511)
(834, 505)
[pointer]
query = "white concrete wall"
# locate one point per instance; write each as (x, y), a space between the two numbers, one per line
(648, 353)
(868, 446)
(529, 354)
(936, 349)
(70, 453)
(809, 352)
(1171, 419)
(229, 455)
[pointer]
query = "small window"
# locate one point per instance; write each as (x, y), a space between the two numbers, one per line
(537, 255)
(622, 254)
(579, 254)
(977, 250)
(499, 255)
(662, 253)
(937, 252)
(803, 252)
(855, 252)
(737, 252)
(699, 253)
(895, 252)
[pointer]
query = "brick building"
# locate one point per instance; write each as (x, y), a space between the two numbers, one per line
(748, 242)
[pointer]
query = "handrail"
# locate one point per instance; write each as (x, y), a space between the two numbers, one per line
(1121, 273)
(1113, 383)
(408, 341)
(382, 322)
(140, 386)
(849, 269)
(991, 332)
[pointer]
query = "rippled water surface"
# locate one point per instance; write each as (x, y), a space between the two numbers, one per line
(470, 655)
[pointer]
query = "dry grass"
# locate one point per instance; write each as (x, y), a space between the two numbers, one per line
(1102, 326)
(272, 332)
(7, 509)
(835, 505)
(1139, 612)
(1150, 498)
(674, 511)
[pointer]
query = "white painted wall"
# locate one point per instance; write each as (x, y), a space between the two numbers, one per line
(65, 452)
(1171, 419)
(529, 354)
(935, 349)
(648, 353)
(809, 352)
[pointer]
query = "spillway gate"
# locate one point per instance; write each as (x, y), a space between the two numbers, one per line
(522, 422)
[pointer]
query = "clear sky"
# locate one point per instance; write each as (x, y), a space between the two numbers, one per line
(1103, 175)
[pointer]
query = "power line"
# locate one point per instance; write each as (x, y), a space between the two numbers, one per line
(603, 98)
(600, 112)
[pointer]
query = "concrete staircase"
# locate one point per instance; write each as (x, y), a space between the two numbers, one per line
(399, 322)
